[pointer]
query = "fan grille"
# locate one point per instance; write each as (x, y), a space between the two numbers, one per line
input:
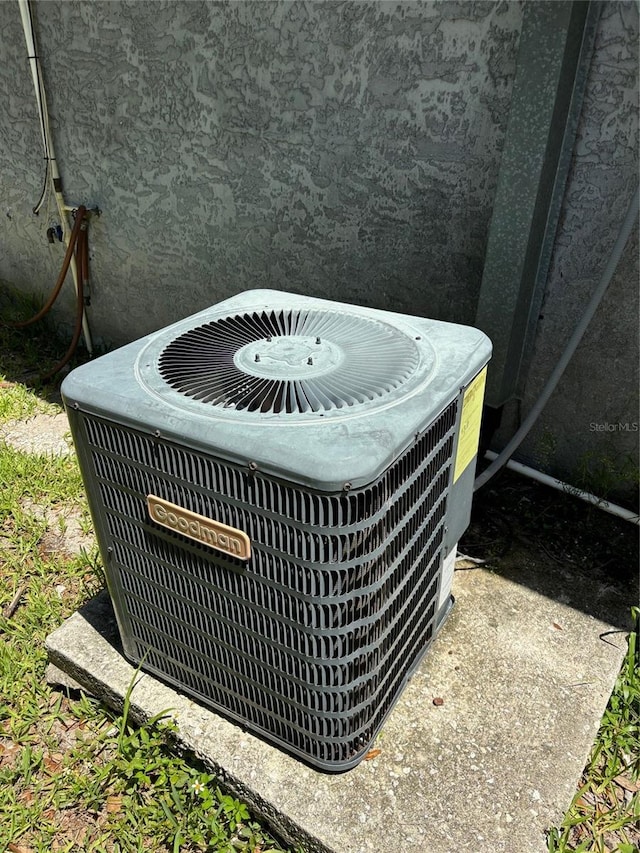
(289, 361)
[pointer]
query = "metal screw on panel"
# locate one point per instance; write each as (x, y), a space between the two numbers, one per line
(347, 487)
(253, 466)
(157, 433)
(269, 339)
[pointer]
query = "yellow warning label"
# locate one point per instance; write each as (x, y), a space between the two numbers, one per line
(470, 423)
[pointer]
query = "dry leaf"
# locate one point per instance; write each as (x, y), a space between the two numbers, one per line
(627, 784)
(8, 752)
(557, 627)
(373, 753)
(114, 804)
(52, 763)
(18, 848)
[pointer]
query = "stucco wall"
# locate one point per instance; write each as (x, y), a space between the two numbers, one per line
(341, 149)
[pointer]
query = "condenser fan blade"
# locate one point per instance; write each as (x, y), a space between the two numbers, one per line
(285, 362)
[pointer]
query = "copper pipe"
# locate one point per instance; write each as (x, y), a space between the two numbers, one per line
(80, 214)
(82, 260)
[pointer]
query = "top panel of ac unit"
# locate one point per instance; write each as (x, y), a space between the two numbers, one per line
(316, 392)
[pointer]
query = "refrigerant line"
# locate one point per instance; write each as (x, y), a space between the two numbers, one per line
(554, 483)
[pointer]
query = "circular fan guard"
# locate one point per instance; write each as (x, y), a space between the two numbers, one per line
(289, 361)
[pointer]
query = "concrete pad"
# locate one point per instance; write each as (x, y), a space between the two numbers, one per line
(524, 680)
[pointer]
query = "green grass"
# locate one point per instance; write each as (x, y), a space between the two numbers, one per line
(605, 812)
(17, 401)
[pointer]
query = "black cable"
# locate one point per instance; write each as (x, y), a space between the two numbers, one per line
(36, 208)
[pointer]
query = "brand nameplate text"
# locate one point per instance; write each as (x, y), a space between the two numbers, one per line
(206, 530)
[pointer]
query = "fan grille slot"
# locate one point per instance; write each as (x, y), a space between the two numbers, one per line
(285, 362)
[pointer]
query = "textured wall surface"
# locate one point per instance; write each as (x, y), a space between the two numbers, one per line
(341, 149)
(589, 422)
(338, 149)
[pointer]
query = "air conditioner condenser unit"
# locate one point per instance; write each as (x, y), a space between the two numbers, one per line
(277, 485)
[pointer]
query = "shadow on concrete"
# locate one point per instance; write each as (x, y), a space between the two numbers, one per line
(98, 613)
(557, 545)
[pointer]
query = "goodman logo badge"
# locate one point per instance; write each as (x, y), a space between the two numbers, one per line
(212, 533)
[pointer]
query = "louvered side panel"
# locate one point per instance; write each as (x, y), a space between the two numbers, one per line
(309, 642)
